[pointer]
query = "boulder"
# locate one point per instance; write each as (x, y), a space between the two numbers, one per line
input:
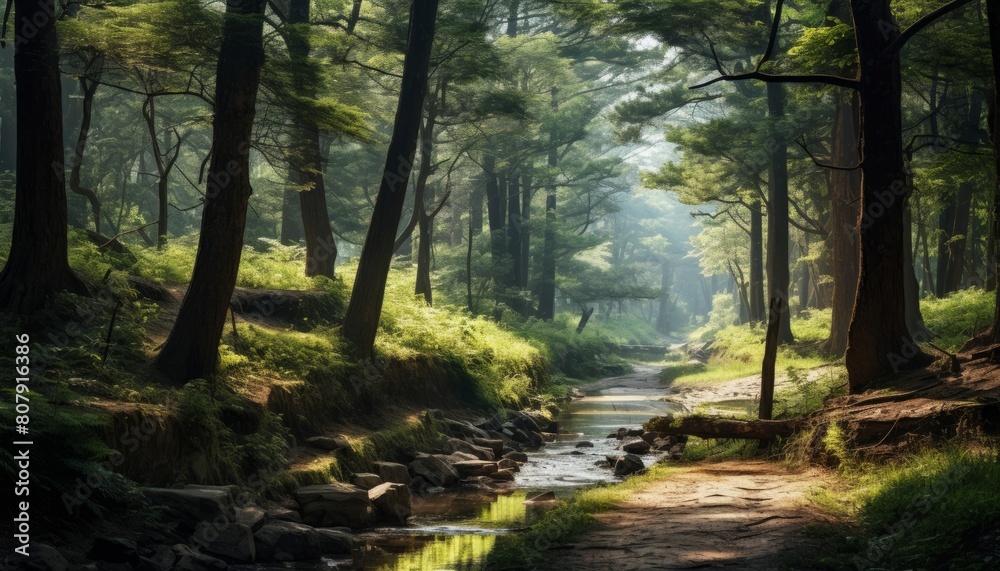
(191, 507)
(633, 432)
(475, 468)
(329, 505)
(280, 513)
(530, 439)
(523, 421)
(391, 501)
(460, 457)
(335, 542)
(161, 556)
(464, 429)
(503, 475)
(233, 542)
(41, 557)
(677, 452)
(455, 445)
(436, 470)
(287, 541)
(251, 516)
(190, 559)
(584, 444)
(329, 443)
(494, 444)
(516, 456)
(508, 464)
(649, 437)
(365, 481)
(628, 464)
(637, 447)
(549, 436)
(663, 444)
(393, 472)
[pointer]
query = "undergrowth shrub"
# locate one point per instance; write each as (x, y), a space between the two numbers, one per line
(953, 318)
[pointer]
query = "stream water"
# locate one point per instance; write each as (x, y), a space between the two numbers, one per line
(455, 530)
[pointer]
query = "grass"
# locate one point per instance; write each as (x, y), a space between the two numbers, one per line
(571, 518)
(955, 318)
(936, 509)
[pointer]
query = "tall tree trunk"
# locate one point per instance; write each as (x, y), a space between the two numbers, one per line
(778, 280)
(547, 281)
(879, 340)
(963, 199)
(365, 307)
(993, 16)
(321, 248)
(37, 265)
(946, 221)
(758, 313)
(425, 229)
(192, 349)
(495, 212)
(663, 315)
(8, 114)
(352, 21)
(844, 188)
(89, 89)
(476, 210)
(291, 216)
(525, 259)
(514, 233)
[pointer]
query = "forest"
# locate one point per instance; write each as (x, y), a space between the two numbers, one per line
(500, 284)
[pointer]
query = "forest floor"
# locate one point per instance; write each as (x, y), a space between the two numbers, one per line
(747, 514)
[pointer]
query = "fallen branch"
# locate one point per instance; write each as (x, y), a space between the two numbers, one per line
(710, 427)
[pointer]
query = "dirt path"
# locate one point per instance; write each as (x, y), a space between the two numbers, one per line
(737, 514)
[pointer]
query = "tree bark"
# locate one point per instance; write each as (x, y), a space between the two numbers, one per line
(707, 427)
(879, 340)
(525, 258)
(770, 357)
(778, 279)
(993, 16)
(37, 265)
(963, 200)
(309, 164)
(514, 232)
(547, 281)
(89, 89)
(365, 307)
(8, 114)
(663, 314)
(192, 349)
(495, 212)
(291, 217)
(758, 314)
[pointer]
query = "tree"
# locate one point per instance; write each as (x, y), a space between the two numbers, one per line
(37, 265)
(365, 307)
(192, 349)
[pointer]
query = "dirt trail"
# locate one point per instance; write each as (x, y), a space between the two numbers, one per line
(737, 514)
(746, 514)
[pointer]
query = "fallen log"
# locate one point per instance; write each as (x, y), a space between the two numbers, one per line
(713, 427)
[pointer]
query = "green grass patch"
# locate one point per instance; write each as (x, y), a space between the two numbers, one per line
(938, 509)
(953, 319)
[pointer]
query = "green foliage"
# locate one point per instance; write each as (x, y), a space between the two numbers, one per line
(591, 354)
(934, 510)
(954, 318)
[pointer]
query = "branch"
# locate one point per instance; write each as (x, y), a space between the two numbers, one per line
(120, 234)
(773, 39)
(834, 80)
(826, 165)
(911, 30)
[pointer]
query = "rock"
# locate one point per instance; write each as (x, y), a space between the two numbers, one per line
(391, 501)
(516, 456)
(250, 516)
(523, 421)
(455, 457)
(190, 559)
(232, 490)
(508, 464)
(335, 542)
(494, 444)
(191, 507)
(543, 497)
(550, 436)
(146, 564)
(628, 464)
(637, 447)
(464, 429)
(577, 453)
(677, 452)
(530, 439)
(633, 432)
(365, 481)
(503, 475)
(649, 437)
(233, 542)
(280, 513)
(393, 472)
(287, 541)
(663, 444)
(576, 393)
(329, 443)
(455, 445)
(584, 444)
(113, 549)
(435, 470)
(162, 556)
(475, 468)
(328, 505)
(41, 557)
